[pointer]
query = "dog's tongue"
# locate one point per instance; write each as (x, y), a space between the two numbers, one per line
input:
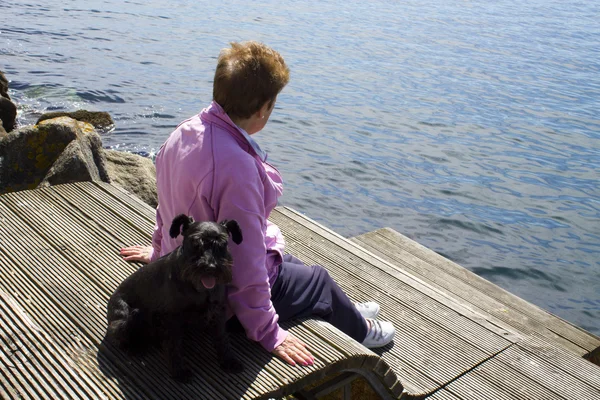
(209, 282)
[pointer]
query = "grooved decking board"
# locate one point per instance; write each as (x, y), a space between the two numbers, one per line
(101, 214)
(51, 320)
(442, 394)
(551, 377)
(30, 353)
(121, 203)
(517, 374)
(106, 201)
(59, 263)
(87, 247)
(556, 372)
(124, 197)
(474, 290)
(563, 359)
(435, 335)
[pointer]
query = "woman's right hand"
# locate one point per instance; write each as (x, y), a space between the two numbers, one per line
(293, 351)
(137, 253)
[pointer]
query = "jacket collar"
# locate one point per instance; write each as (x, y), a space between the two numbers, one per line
(215, 113)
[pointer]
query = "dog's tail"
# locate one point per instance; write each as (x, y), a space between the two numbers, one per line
(124, 323)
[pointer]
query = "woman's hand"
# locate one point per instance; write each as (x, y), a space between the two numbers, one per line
(293, 351)
(136, 253)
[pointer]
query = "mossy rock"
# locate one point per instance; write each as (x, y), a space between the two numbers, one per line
(100, 120)
(32, 155)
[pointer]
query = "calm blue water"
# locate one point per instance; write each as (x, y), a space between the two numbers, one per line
(471, 126)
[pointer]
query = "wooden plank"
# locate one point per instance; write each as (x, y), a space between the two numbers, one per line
(70, 269)
(86, 246)
(126, 211)
(35, 354)
(413, 380)
(51, 270)
(495, 380)
(552, 378)
(396, 247)
(442, 394)
(517, 373)
(50, 319)
(336, 339)
(427, 322)
(562, 359)
(102, 215)
(125, 197)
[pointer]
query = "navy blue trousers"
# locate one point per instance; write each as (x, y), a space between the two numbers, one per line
(304, 291)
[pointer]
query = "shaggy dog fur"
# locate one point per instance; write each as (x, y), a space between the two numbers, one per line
(154, 304)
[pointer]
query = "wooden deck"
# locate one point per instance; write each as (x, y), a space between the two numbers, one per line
(479, 294)
(59, 263)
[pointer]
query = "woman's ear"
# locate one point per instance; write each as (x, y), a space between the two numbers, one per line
(266, 109)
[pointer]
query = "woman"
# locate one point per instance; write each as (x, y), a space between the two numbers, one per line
(211, 168)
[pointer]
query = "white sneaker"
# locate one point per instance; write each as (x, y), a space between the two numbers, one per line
(369, 309)
(380, 333)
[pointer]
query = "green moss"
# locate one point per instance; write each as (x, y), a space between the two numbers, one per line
(42, 162)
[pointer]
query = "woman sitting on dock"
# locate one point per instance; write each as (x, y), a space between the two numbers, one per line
(211, 168)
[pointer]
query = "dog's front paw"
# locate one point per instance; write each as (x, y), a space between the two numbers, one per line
(182, 374)
(232, 365)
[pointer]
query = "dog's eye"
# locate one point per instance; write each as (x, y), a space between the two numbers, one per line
(197, 245)
(218, 249)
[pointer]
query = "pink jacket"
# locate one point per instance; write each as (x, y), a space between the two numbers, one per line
(209, 169)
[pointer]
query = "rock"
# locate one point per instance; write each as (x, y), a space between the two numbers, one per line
(8, 114)
(81, 161)
(101, 120)
(3, 86)
(135, 174)
(8, 109)
(35, 156)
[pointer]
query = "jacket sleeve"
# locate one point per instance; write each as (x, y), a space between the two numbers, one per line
(238, 194)
(156, 236)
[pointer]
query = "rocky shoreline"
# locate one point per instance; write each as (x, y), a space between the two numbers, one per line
(66, 147)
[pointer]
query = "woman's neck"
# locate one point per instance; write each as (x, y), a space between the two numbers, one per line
(247, 124)
(244, 123)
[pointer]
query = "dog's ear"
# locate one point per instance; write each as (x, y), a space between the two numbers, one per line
(234, 229)
(178, 222)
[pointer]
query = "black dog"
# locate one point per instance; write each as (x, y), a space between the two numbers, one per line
(154, 303)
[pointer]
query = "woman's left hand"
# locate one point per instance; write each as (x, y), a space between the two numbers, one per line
(293, 351)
